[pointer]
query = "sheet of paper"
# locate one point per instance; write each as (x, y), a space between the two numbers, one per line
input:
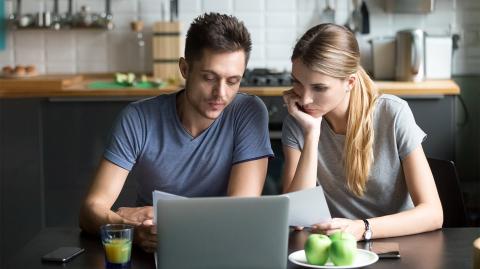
(160, 195)
(307, 207)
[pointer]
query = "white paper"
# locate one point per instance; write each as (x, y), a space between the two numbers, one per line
(160, 195)
(307, 207)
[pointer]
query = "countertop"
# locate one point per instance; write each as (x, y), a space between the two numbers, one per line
(80, 89)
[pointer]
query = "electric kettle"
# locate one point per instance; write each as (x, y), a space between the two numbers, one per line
(410, 55)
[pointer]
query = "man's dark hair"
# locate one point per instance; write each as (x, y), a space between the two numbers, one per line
(217, 32)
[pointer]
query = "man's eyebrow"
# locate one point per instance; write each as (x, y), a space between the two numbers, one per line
(214, 73)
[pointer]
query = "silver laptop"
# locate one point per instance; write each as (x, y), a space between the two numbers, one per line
(223, 232)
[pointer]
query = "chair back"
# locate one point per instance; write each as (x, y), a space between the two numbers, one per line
(448, 187)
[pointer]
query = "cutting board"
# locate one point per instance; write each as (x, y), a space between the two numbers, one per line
(112, 85)
(44, 82)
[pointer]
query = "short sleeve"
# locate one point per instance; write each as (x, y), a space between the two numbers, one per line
(292, 135)
(408, 134)
(125, 141)
(252, 139)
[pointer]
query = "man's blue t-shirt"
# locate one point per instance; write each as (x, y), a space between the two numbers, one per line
(149, 136)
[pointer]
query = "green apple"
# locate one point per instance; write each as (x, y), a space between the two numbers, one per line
(317, 248)
(343, 248)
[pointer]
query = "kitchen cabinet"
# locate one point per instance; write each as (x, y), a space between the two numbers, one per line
(21, 177)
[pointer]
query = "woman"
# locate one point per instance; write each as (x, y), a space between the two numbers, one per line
(363, 148)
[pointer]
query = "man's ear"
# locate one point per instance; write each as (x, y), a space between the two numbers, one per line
(183, 65)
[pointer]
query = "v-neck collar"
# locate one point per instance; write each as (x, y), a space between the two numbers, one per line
(185, 134)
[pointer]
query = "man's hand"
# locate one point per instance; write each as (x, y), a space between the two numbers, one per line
(145, 236)
(136, 214)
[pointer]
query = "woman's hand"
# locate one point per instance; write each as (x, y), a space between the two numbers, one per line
(355, 227)
(306, 121)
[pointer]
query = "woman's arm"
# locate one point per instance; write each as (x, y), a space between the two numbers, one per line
(300, 167)
(427, 215)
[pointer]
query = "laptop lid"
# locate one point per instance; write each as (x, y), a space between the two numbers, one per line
(223, 232)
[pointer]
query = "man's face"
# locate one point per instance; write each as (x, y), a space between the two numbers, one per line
(213, 81)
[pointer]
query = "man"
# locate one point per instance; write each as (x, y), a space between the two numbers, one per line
(205, 140)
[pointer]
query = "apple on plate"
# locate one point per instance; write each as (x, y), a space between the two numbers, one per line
(317, 248)
(343, 248)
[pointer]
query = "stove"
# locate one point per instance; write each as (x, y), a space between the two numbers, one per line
(265, 77)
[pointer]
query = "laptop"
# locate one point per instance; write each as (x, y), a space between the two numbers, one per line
(223, 232)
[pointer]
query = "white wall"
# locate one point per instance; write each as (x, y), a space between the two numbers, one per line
(274, 26)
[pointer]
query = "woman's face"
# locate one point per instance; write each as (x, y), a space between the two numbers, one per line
(319, 94)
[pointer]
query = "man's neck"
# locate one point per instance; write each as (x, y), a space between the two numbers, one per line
(190, 119)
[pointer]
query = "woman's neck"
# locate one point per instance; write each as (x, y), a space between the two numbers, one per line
(338, 117)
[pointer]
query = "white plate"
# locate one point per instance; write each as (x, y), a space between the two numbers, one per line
(363, 258)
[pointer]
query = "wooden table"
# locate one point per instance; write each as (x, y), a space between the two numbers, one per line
(447, 248)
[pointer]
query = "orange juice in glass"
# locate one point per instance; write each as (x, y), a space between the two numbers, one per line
(117, 242)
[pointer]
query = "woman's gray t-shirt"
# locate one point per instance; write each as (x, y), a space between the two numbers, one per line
(395, 135)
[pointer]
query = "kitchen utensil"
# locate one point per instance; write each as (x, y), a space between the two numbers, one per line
(383, 58)
(3, 33)
(410, 55)
(328, 14)
(354, 22)
(365, 18)
(166, 50)
(438, 57)
(173, 10)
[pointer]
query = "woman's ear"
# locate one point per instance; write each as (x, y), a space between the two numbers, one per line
(183, 65)
(351, 80)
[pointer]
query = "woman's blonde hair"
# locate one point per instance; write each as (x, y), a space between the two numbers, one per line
(333, 50)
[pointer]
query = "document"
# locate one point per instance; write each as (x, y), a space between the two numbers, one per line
(307, 207)
(160, 195)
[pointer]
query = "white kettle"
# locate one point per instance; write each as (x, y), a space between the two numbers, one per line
(410, 55)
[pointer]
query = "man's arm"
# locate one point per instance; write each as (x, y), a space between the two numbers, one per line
(103, 192)
(247, 178)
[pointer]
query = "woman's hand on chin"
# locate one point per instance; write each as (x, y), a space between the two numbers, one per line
(309, 123)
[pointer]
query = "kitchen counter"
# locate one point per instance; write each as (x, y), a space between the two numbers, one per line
(80, 89)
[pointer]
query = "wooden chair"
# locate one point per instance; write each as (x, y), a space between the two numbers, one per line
(448, 186)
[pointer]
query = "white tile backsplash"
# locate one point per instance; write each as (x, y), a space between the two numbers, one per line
(150, 7)
(274, 26)
(124, 6)
(248, 6)
(281, 36)
(60, 46)
(29, 46)
(92, 67)
(224, 6)
(281, 5)
(252, 19)
(91, 46)
(280, 19)
(61, 68)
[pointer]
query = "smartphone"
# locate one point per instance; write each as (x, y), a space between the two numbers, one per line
(386, 250)
(62, 254)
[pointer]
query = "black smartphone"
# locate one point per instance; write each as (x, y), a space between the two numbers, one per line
(62, 254)
(386, 250)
